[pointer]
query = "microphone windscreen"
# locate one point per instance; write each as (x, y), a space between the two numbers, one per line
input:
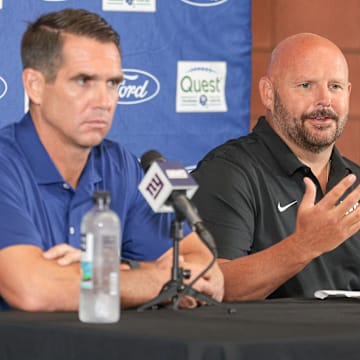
(149, 157)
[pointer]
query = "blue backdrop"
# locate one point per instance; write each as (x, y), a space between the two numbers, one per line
(187, 66)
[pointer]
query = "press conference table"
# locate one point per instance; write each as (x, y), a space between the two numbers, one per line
(272, 329)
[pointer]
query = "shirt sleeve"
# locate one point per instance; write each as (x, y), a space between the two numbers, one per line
(16, 224)
(225, 203)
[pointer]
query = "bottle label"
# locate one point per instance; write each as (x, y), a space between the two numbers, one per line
(114, 284)
(87, 249)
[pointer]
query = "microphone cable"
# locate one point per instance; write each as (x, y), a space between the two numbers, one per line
(188, 289)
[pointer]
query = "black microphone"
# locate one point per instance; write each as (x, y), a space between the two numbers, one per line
(149, 157)
(161, 187)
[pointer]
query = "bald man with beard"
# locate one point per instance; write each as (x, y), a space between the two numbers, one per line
(281, 202)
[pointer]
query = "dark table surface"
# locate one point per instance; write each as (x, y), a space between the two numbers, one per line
(272, 329)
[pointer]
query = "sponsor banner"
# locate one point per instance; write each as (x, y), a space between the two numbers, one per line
(137, 87)
(204, 2)
(201, 86)
(186, 64)
(129, 5)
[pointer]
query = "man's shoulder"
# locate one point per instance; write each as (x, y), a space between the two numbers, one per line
(7, 133)
(13, 164)
(245, 149)
(116, 150)
(8, 143)
(117, 155)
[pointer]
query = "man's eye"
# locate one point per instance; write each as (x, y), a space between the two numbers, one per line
(81, 81)
(113, 84)
(305, 85)
(335, 86)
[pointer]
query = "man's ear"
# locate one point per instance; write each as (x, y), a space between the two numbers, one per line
(266, 90)
(34, 82)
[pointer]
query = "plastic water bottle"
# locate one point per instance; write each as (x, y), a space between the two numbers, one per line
(100, 245)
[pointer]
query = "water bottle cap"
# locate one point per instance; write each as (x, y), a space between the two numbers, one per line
(103, 196)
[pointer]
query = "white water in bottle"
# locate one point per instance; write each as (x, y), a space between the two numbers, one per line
(100, 245)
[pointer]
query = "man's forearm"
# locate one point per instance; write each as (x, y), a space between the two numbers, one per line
(138, 286)
(256, 276)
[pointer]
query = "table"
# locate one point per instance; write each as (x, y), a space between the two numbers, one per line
(271, 329)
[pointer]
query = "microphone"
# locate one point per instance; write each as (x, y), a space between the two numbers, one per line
(163, 181)
(167, 187)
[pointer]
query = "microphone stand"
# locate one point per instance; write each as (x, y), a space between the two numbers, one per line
(175, 287)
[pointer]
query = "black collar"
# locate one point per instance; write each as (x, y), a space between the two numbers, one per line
(287, 159)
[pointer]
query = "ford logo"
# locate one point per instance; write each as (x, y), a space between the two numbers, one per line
(137, 87)
(3, 87)
(204, 2)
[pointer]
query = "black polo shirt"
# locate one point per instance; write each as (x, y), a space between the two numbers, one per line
(250, 190)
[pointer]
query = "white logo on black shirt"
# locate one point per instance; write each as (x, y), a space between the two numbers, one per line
(285, 207)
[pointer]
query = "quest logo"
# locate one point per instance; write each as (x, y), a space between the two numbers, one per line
(3, 87)
(201, 86)
(137, 87)
(204, 2)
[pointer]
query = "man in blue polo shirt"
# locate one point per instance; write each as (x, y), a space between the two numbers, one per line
(53, 160)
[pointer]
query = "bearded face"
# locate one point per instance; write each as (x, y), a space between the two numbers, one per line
(313, 131)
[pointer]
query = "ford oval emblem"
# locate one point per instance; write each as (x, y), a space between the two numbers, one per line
(204, 2)
(3, 87)
(137, 87)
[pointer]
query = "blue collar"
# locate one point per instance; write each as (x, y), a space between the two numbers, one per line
(44, 170)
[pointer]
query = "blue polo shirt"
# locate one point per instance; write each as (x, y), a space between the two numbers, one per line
(37, 207)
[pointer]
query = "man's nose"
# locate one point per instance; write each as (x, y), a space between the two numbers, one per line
(104, 96)
(324, 96)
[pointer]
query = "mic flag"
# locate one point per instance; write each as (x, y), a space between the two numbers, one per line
(162, 179)
(167, 187)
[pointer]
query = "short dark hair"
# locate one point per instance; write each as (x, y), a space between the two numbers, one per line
(42, 42)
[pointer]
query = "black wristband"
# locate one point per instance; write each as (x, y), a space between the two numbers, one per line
(132, 263)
